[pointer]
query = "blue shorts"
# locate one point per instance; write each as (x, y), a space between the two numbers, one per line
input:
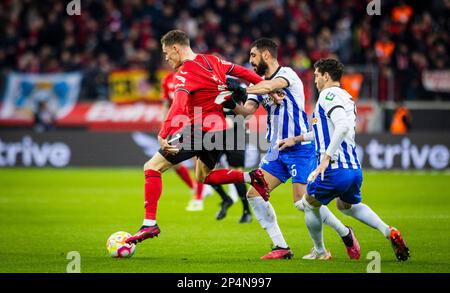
(340, 182)
(296, 162)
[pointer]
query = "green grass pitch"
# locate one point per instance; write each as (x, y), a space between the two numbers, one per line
(46, 213)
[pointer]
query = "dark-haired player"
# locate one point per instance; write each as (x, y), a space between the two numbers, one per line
(338, 174)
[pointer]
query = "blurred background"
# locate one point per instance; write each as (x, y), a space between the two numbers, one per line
(76, 90)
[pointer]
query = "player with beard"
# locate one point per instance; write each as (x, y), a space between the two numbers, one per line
(286, 157)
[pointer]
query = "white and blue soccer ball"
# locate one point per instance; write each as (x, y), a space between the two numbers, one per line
(116, 246)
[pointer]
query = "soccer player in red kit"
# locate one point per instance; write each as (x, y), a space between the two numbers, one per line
(200, 90)
(167, 94)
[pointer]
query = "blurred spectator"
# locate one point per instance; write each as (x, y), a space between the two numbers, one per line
(401, 120)
(301, 62)
(408, 37)
(384, 48)
(44, 117)
(402, 65)
(402, 13)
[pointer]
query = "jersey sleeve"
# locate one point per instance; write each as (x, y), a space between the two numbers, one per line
(238, 71)
(245, 74)
(227, 67)
(256, 98)
(341, 127)
(177, 111)
(183, 80)
(330, 101)
(289, 75)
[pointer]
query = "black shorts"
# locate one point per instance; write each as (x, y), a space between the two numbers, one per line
(195, 146)
(235, 158)
(236, 154)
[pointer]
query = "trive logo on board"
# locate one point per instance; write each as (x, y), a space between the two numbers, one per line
(56, 154)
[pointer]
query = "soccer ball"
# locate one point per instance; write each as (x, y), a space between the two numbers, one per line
(116, 246)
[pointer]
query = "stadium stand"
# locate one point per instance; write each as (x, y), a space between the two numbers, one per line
(408, 37)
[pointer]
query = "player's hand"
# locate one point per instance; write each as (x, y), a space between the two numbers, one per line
(277, 97)
(286, 143)
(230, 103)
(320, 170)
(166, 147)
(239, 92)
(239, 97)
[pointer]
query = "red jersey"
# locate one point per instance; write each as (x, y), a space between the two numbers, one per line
(168, 88)
(200, 90)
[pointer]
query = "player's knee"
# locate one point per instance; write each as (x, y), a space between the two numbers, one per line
(310, 202)
(251, 193)
(149, 166)
(299, 205)
(157, 164)
(343, 206)
(298, 191)
(203, 176)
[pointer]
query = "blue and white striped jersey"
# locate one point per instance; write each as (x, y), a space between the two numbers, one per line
(330, 99)
(289, 118)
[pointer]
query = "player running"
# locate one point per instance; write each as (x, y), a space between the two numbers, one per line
(286, 157)
(200, 90)
(167, 93)
(339, 173)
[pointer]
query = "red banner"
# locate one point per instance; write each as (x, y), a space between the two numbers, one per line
(108, 116)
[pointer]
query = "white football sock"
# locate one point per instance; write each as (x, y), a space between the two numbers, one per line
(314, 224)
(328, 218)
(232, 192)
(365, 214)
(267, 218)
(148, 222)
(247, 178)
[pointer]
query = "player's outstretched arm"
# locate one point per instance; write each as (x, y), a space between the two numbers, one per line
(291, 141)
(248, 108)
(177, 111)
(267, 86)
(245, 74)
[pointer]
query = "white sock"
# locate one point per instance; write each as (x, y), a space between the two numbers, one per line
(247, 178)
(148, 222)
(267, 218)
(365, 214)
(232, 192)
(314, 224)
(328, 218)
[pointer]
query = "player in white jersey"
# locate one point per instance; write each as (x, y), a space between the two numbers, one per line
(338, 174)
(285, 159)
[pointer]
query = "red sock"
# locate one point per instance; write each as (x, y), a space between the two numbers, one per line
(224, 176)
(199, 191)
(183, 172)
(153, 188)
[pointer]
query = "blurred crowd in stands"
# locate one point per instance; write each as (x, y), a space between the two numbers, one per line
(408, 36)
